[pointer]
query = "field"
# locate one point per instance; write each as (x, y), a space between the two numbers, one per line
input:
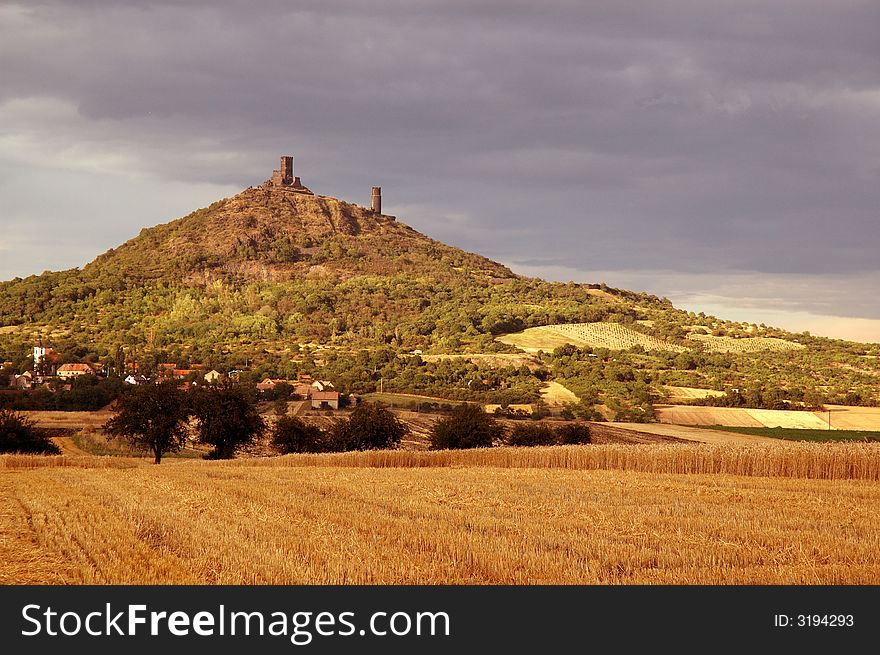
(556, 395)
(407, 400)
(70, 420)
(841, 417)
(580, 515)
(793, 434)
(493, 360)
(690, 393)
(744, 345)
(613, 336)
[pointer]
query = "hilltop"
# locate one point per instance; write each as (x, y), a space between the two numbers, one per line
(269, 234)
(281, 281)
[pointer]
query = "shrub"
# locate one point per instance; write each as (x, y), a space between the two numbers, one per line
(293, 435)
(573, 433)
(467, 426)
(370, 426)
(531, 435)
(18, 434)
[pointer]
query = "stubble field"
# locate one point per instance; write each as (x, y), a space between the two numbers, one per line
(798, 514)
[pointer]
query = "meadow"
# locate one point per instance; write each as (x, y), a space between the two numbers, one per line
(616, 514)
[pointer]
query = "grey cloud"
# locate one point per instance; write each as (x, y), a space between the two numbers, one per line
(678, 136)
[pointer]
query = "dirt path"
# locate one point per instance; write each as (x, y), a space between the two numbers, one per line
(696, 434)
(22, 559)
(68, 446)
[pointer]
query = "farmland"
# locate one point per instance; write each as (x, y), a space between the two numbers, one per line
(613, 336)
(689, 393)
(841, 417)
(744, 345)
(617, 515)
(794, 434)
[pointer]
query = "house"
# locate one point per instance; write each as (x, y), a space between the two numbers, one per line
(212, 376)
(268, 384)
(69, 371)
(303, 391)
(322, 385)
(323, 399)
(23, 381)
(136, 379)
(180, 373)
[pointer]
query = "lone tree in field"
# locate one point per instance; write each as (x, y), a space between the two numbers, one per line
(152, 416)
(468, 426)
(18, 434)
(228, 419)
(370, 426)
(293, 435)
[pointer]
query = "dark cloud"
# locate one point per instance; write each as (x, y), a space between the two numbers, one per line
(680, 136)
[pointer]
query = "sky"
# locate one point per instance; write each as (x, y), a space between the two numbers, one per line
(722, 154)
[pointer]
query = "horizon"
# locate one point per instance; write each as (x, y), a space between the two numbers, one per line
(720, 156)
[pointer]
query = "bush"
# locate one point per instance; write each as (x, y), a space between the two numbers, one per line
(573, 433)
(370, 426)
(531, 435)
(18, 434)
(293, 435)
(467, 426)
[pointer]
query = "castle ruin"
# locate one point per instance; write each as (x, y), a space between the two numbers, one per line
(285, 179)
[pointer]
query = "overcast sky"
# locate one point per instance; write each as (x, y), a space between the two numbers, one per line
(724, 154)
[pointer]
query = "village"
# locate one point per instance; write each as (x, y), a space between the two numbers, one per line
(48, 372)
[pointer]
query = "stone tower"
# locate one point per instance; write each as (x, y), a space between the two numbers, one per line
(284, 175)
(377, 199)
(285, 179)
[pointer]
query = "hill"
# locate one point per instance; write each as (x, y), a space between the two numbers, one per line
(281, 282)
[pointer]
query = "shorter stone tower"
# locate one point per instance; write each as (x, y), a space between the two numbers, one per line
(377, 199)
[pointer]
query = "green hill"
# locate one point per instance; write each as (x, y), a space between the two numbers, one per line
(282, 282)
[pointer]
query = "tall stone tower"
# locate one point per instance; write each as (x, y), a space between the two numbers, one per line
(285, 179)
(284, 175)
(377, 199)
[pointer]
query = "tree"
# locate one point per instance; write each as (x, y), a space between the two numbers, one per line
(534, 434)
(370, 426)
(153, 416)
(573, 433)
(468, 426)
(228, 419)
(293, 435)
(18, 434)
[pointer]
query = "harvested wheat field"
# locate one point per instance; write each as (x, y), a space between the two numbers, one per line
(740, 417)
(499, 516)
(69, 420)
(690, 393)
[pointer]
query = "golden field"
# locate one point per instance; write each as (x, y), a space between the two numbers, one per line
(842, 417)
(655, 514)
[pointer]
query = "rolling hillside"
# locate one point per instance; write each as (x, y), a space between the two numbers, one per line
(280, 283)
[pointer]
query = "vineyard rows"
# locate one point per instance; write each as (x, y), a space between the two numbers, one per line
(613, 336)
(744, 345)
